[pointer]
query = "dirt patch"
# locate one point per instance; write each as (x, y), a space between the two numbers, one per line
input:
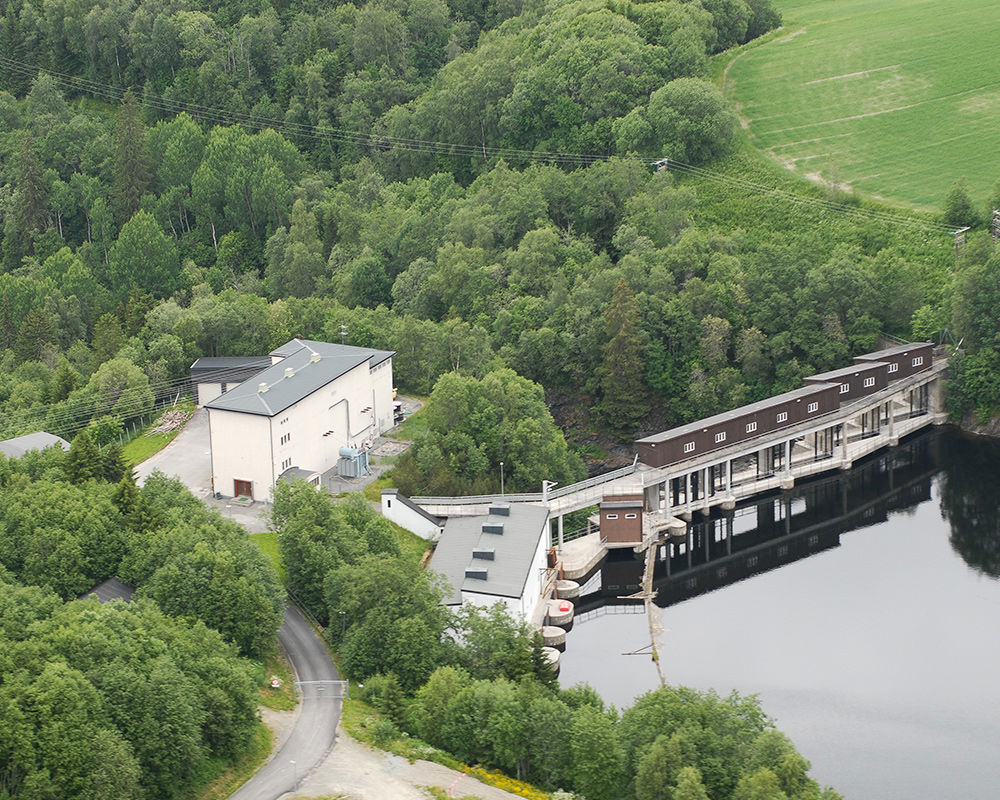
(356, 771)
(359, 772)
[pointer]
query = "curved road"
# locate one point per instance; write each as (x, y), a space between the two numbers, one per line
(187, 458)
(312, 737)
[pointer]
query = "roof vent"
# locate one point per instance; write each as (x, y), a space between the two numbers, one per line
(261, 387)
(314, 358)
(484, 553)
(500, 509)
(477, 573)
(493, 527)
(289, 372)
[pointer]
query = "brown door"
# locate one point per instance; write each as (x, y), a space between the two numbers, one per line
(243, 489)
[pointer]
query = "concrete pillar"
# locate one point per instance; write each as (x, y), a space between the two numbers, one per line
(729, 477)
(559, 526)
(652, 498)
(934, 402)
(704, 487)
(729, 534)
(687, 491)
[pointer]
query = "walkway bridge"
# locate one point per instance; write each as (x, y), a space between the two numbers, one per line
(725, 476)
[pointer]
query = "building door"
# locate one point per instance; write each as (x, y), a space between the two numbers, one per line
(243, 489)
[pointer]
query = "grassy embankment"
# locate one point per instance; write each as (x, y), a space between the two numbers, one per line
(896, 99)
(145, 444)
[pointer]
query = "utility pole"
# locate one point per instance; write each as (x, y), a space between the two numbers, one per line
(995, 225)
(960, 240)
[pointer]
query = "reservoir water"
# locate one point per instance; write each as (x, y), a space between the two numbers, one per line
(862, 608)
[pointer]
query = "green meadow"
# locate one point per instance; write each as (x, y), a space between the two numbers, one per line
(895, 98)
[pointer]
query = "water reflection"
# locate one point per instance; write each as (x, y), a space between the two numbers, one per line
(778, 529)
(970, 501)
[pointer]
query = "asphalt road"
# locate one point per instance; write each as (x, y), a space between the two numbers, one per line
(313, 736)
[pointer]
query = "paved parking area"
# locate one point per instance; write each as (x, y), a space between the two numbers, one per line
(189, 459)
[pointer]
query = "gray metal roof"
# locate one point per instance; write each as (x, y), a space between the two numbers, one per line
(228, 370)
(17, 447)
(513, 551)
(843, 372)
(312, 366)
(742, 411)
(230, 362)
(889, 352)
(111, 589)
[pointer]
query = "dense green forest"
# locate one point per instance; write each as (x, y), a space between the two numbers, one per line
(466, 185)
(123, 701)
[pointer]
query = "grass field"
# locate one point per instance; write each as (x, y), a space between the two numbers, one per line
(895, 98)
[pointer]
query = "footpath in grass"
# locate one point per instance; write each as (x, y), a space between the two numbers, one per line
(894, 98)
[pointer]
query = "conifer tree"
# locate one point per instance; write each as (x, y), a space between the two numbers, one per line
(131, 168)
(624, 400)
(32, 335)
(112, 463)
(84, 460)
(31, 200)
(126, 498)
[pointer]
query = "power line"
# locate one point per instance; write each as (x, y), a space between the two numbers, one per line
(452, 149)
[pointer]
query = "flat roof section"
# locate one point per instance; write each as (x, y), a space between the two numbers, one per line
(889, 352)
(833, 375)
(736, 413)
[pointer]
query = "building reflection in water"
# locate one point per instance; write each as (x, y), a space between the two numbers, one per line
(776, 529)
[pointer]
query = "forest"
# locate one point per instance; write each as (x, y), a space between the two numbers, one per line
(476, 186)
(123, 700)
(178, 183)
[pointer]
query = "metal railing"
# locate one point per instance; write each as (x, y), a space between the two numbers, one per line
(529, 497)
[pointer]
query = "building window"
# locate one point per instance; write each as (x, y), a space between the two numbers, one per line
(869, 382)
(286, 438)
(894, 367)
(751, 427)
(918, 360)
(631, 516)
(612, 516)
(782, 416)
(845, 388)
(812, 407)
(689, 447)
(720, 437)
(286, 464)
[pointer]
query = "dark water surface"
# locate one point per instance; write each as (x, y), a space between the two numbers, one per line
(863, 609)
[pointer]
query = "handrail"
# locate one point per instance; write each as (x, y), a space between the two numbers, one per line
(530, 497)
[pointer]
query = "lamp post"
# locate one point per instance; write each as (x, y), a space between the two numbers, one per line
(295, 779)
(343, 623)
(501, 479)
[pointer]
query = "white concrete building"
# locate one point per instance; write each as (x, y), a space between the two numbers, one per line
(500, 557)
(295, 417)
(404, 512)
